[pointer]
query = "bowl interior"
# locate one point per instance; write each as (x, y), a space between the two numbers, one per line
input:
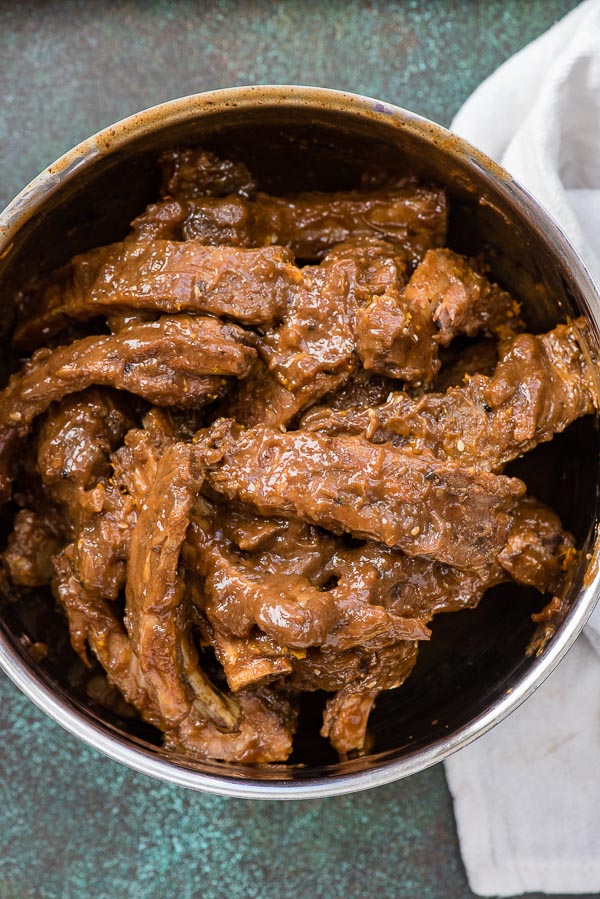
(474, 657)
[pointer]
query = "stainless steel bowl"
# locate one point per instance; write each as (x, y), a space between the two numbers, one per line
(474, 671)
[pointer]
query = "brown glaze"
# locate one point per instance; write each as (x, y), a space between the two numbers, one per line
(158, 276)
(156, 617)
(177, 361)
(194, 172)
(355, 310)
(349, 485)
(35, 538)
(310, 224)
(285, 593)
(401, 335)
(540, 385)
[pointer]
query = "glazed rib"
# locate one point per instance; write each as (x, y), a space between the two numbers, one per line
(179, 361)
(160, 276)
(347, 484)
(356, 308)
(541, 384)
(309, 224)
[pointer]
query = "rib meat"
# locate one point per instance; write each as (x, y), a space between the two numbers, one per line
(347, 484)
(541, 384)
(446, 296)
(194, 172)
(177, 361)
(538, 553)
(352, 309)
(159, 276)
(156, 617)
(158, 625)
(347, 712)
(36, 536)
(289, 605)
(411, 216)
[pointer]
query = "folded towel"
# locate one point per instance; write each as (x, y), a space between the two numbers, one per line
(527, 794)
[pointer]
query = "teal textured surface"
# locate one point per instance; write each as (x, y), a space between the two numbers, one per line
(73, 824)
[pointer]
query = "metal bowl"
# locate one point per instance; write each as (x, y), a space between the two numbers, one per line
(475, 670)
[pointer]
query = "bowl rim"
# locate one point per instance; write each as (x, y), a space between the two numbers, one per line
(118, 748)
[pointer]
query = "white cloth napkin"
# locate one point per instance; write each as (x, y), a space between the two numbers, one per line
(527, 794)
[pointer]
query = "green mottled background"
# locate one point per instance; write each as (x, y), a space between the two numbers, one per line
(73, 824)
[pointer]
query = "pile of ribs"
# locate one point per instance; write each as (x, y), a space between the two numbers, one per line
(250, 459)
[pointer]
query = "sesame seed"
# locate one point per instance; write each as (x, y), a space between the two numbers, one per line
(415, 531)
(460, 446)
